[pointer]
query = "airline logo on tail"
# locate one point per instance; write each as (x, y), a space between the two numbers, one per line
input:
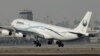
(83, 26)
(84, 23)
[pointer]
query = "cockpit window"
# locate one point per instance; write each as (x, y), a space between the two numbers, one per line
(20, 22)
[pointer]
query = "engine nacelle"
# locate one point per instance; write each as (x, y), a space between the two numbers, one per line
(19, 34)
(92, 35)
(6, 32)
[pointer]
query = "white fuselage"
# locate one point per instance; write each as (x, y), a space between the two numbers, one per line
(46, 30)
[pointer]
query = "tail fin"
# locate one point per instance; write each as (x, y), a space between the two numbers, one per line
(82, 27)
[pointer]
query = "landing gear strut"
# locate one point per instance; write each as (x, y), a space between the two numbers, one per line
(60, 44)
(50, 42)
(37, 43)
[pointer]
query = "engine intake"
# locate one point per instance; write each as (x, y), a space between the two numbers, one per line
(5, 32)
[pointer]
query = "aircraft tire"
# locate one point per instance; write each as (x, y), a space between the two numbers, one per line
(62, 45)
(34, 42)
(49, 42)
(57, 42)
(37, 43)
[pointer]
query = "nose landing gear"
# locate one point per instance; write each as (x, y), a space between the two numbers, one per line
(37, 43)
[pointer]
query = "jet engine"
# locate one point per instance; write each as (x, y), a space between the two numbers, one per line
(19, 34)
(5, 32)
(92, 35)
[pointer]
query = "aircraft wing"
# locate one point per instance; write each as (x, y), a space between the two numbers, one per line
(6, 27)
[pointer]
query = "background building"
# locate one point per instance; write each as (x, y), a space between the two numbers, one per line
(26, 14)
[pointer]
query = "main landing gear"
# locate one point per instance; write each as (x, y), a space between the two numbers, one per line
(60, 44)
(37, 43)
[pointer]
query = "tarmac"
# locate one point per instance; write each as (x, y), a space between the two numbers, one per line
(14, 48)
(28, 50)
(53, 46)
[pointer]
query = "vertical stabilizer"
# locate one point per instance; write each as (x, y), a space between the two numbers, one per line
(82, 27)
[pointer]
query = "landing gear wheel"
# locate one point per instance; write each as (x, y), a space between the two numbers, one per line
(34, 42)
(37, 43)
(57, 42)
(50, 42)
(60, 44)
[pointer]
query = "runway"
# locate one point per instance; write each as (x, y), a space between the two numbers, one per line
(29, 50)
(53, 46)
(49, 55)
(48, 51)
(12, 48)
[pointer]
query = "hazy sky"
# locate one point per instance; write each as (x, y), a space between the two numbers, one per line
(57, 10)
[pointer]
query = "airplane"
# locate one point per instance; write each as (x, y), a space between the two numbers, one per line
(52, 32)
